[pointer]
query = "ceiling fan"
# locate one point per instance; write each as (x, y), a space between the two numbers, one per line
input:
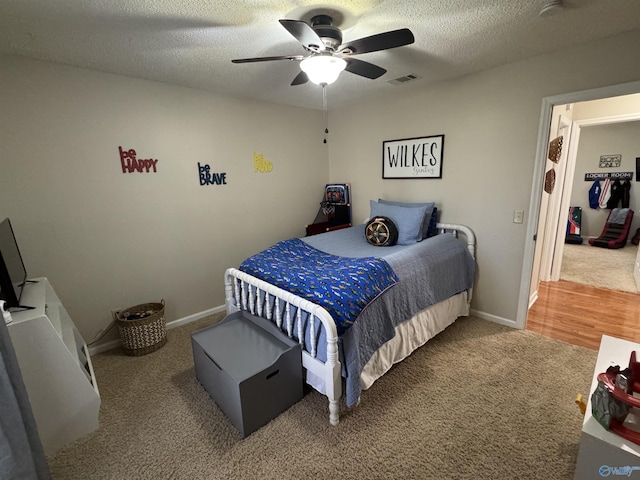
(328, 56)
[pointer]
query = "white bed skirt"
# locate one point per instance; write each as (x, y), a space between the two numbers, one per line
(409, 336)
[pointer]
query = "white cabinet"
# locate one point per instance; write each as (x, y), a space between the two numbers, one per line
(56, 367)
(601, 451)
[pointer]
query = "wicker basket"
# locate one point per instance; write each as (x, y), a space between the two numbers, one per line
(142, 328)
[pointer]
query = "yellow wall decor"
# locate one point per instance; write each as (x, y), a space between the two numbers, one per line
(260, 164)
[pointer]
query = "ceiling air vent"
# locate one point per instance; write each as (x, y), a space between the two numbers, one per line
(405, 79)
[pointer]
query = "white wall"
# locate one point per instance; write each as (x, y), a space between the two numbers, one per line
(110, 240)
(617, 138)
(490, 122)
(607, 107)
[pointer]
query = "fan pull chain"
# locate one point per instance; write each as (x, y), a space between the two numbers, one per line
(326, 113)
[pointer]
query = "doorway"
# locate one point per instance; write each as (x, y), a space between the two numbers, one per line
(538, 209)
(553, 245)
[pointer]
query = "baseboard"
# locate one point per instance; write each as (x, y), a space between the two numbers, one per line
(103, 347)
(533, 299)
(494, 318)
(196, 316)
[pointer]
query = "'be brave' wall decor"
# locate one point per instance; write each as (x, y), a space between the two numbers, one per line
(131, 164)
(413, 157)
(209, 178)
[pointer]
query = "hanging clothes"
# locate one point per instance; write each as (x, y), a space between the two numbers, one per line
(626, 193)
(605, 193)
(616, 195)
(594, 194)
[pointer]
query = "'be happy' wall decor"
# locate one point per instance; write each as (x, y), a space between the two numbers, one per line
(131, 164)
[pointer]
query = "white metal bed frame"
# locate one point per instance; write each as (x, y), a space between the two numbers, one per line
(248, 293)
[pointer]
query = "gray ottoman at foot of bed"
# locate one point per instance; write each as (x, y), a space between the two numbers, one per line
(250, 369)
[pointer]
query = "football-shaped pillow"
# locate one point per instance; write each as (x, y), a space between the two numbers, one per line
(381, 232)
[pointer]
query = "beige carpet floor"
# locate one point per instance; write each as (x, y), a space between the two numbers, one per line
(480, 401)
(600, 267)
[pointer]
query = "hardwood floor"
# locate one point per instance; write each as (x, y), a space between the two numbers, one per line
(580, 314)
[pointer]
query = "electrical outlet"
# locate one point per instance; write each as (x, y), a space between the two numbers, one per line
(518, 216)
(102, 333)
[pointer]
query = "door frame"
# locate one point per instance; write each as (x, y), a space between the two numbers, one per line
(555, 224)
(538, 174)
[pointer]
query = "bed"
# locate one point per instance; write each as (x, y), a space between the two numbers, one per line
(432, 288)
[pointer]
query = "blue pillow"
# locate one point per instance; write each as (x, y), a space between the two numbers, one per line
(433, 224)
(407, 219)
(424, 231)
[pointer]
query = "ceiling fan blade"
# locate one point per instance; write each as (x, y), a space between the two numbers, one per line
(300, 79)
(381, 41)
(364, 69)
(304, 34)
(267, 59)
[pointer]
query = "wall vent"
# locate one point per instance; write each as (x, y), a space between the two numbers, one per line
(404, 79)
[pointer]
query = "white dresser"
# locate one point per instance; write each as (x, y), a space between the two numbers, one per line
(56, 367)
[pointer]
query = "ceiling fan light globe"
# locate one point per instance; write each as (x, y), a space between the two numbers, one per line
(323, 69)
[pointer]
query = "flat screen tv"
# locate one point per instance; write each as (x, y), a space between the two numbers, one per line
(13, 274)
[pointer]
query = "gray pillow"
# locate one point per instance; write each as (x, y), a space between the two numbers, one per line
(424, 231)
(407, 219)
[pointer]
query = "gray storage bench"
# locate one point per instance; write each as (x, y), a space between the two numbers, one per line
(250, 369)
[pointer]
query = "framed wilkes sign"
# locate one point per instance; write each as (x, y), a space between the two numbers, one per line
(413, 157)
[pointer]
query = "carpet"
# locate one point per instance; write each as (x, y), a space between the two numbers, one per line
(479, 401)
(599, 267)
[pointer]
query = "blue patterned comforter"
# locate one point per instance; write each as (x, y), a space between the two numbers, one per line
(343, 286)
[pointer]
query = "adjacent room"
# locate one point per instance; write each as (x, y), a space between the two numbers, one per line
(153, 154)
(605, 267)
(574, 267)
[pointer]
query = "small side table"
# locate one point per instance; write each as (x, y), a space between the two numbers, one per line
(315, 228)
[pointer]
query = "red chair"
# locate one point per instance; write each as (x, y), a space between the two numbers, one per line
(614, 234)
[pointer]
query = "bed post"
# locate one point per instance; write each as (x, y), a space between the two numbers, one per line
(332, 371)
(470, 240)
(334, 388)
(470, 237)
(229, 281)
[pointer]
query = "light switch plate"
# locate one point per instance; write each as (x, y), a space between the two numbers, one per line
(518, 216)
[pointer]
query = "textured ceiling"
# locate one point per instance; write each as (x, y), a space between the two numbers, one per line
(192, 42)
